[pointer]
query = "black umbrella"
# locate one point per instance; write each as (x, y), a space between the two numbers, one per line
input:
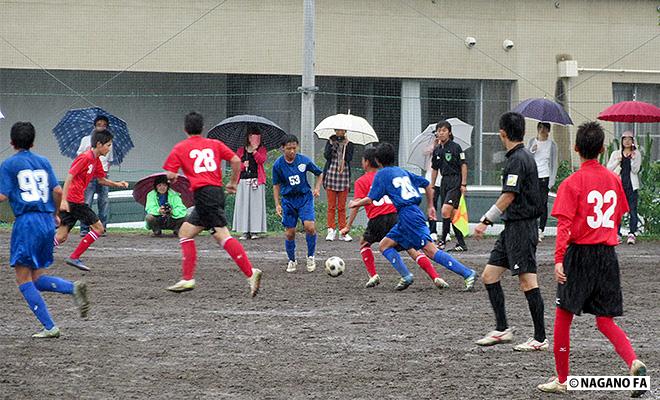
(233, 131)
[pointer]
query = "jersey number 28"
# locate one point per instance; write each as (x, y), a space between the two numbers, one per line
(204, 160)
(408, 191)
(602, 219)
(33, 185)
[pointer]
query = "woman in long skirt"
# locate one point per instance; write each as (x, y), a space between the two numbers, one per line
(250, 205)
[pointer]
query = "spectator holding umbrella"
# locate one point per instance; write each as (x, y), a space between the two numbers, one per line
(336, 181)
(546, 158)
(250, 204)
(164, 208)
(626, 162)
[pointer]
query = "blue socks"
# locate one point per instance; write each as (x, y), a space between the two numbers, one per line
(397, 262)
(311, 244)
(37, 304)
(47, 283)
(290, 246)
(452, 264)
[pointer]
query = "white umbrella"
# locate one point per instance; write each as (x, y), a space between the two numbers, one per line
(357, 129)
(1, 116)
(422, 146)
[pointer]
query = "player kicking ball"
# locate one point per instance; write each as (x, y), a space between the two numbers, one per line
(589, 206)
(73, 208)
(27, 180)
(411, 231)
(297, 199)
(199, 158)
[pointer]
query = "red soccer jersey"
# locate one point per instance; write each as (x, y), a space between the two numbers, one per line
(199, 159)
(382, 207)
(589, 207)
(84, 168)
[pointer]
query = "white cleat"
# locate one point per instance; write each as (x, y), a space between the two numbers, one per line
(532, 345)
(345, 238)
(440, 283)
(373, 281)
(541, 236)
(552, 386)
(291, 267)
(637, 369)
(311, 264)
(332, 235)
(255, 281)
(182, 286)
(434, 237)
(496, 337)
(53, 332)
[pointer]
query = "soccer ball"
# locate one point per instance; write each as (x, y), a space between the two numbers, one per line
(334, 266)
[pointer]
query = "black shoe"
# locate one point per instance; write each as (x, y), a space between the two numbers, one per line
(458, 249)
(441, 244)
(83, 233)
(157, 233)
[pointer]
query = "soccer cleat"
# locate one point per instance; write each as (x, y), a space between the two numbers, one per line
(345, 238)
(311, 264)
(637, 369)
(541, 236)
(332, 235)
(441, 244)
(631, 238)
(80, 298)
(76, 262)
(182, 286)
(404, 283)
(53, 332)
(244, 236)
(496, 337)
(469, 282)
(254, 236)
(373, 281)
(255, 281)
(440, 283)
(552, 386)
(458, 249)
(434, 237)
(532, 345)
(291, 267)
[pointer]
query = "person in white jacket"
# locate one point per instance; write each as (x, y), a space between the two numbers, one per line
(546, 157)
(626, 162)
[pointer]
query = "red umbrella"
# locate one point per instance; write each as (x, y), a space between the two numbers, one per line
(146, 185)
(631, 111)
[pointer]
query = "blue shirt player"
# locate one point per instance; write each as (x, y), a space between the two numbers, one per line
(290, 184)
(27, 180)
(411, 232)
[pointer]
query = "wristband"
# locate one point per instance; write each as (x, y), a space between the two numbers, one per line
(493, 214)
(464, 184)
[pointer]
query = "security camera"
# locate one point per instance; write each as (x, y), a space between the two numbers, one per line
(507, 45)
(470, 42)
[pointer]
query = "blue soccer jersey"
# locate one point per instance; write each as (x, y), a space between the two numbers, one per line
(28, 180)
(292, 177)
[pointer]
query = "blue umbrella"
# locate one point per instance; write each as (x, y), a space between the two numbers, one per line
(232, 131)
(544, 110)
(79, 123)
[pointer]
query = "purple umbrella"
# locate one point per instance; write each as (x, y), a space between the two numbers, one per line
(146, 185)
(544, 110)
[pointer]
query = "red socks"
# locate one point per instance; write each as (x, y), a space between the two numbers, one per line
(369, 261)
(618, 338)
(425, 264)
(189, 260)
(84, 244)
(236, 251)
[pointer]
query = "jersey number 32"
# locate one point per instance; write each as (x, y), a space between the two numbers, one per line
(601, 219)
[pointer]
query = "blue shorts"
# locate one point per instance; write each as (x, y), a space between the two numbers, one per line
(411, 232)
(297, 207)
(32, 241)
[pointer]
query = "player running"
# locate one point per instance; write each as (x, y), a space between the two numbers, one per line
(199, 158)
(519, 205)
(73, 208)
(27, 180)
(290, 183)
(411, 232)
(588, 208)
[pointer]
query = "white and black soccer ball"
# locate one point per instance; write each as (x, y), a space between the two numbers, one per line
(334, 266)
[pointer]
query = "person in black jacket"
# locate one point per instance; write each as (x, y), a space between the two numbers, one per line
(337, 180)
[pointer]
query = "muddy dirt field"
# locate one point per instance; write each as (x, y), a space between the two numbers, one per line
(306, 335)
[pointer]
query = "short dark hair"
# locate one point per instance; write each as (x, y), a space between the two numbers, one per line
(101, 118)
(386, 154)
(289, 139)
(545, 125)
(22, 135)
(513, 124)
(161, 179)
(369, 156)
(103, 136)
(589, 139)
(194, 123)
(252, 130)
(443, 124)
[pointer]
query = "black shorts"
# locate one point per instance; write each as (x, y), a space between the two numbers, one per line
(450, 190)
(515, 249)
(78, 212)
(379, 227)
(209, 209)
(593, 284)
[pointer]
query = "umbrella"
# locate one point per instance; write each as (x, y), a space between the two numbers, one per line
(146, 185)
(422, 146)
(79, 123)
(631, 111)
(544, 110)
(357, 129)
(1, 116)
(232, 131)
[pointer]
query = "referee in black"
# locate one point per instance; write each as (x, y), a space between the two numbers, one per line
(519, 206)
(449, 160)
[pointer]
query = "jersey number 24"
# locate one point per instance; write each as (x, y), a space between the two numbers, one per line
(408, 191)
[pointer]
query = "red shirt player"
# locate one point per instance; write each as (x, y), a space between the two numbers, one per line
(588, 208)
(199, 158)
(73, 208)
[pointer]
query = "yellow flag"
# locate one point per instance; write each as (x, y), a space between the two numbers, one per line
(460, 219)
